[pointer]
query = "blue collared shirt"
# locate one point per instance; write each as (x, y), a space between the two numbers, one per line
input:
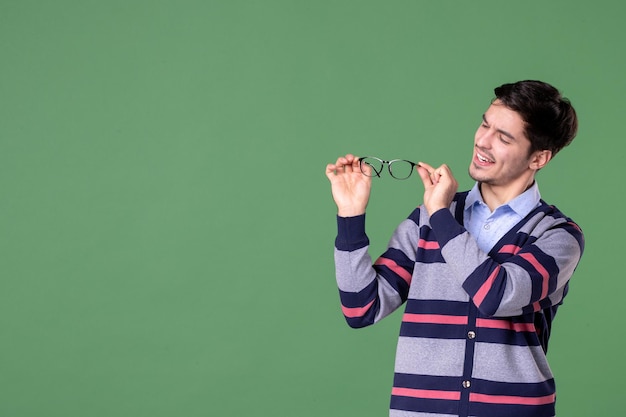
(488, 227)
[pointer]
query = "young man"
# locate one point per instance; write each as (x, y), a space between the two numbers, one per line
(482, 272)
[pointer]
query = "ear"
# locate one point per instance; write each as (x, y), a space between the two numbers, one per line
(539, 159)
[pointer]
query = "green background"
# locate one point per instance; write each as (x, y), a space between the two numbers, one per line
(166, 225)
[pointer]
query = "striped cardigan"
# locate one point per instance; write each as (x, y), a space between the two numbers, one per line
(475, 328)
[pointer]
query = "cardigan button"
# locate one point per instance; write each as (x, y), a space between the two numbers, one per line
(466, 384)
(471, 334)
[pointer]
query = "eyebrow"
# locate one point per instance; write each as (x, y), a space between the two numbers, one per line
(504, 132)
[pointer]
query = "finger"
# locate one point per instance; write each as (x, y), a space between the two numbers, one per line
(352, 163)
(437, 174)
(425, 174)
(443, 168)
(343, 162)
(367, 169)
(443, 171)
(331, 170)
(336, 168)
(429, 168)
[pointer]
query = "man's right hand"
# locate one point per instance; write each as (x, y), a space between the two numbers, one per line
(350, 188)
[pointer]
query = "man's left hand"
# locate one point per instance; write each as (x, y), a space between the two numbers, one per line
(440, 186)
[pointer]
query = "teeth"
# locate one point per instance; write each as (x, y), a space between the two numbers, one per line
(482, 158)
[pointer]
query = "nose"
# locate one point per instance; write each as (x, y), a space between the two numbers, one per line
(483, 138)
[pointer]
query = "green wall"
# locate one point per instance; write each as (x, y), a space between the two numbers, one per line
(166, 228)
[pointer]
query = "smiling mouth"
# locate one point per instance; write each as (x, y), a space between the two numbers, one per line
(484, 159)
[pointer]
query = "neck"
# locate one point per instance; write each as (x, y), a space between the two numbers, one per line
(494, 196)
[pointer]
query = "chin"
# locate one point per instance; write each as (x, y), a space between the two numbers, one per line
(476, 176)
(472, 171)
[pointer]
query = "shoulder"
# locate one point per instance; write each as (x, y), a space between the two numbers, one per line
(553, 213)
(547, 217)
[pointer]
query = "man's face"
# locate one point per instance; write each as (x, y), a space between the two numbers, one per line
(501, 150)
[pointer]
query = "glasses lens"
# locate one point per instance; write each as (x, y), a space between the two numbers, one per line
(400, 169)
(371, 166)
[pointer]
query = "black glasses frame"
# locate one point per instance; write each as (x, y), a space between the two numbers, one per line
(382, 162)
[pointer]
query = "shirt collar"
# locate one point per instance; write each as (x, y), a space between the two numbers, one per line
(522, 204)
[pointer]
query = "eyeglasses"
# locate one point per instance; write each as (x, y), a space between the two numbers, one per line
(400, 169)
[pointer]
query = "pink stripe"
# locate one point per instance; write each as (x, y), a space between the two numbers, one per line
(426, 393)
(426, 244)
(397, 269)
(544, 273)
(484, 289)
(356, 311)
(512, 249)
(506, 325)
(509, 399)
(434, 319)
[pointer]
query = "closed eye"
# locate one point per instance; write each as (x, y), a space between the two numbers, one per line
(504, 136)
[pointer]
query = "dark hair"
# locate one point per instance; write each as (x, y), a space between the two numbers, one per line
(551, 122)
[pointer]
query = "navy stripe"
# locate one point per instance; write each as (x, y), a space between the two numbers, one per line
(538, 389)
(360, 298)
(439, 383)
(351, 233)
(415, 216)
(429, 256)
(435, 331)
(459, 206)
(424, 405)
(511, 410)
(507, 337)
(543, 323)
(451, 308)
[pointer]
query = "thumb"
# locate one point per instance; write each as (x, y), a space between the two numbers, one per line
(424, 175)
